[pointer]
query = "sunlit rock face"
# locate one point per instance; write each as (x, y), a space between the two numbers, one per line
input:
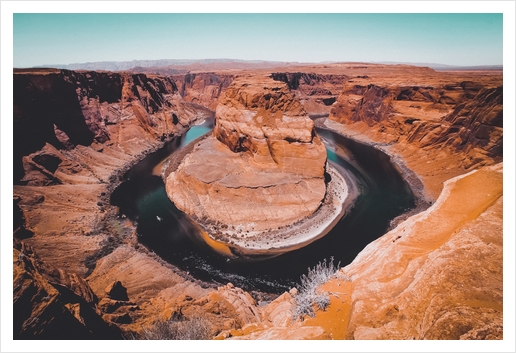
(262, 168)
(265, 119)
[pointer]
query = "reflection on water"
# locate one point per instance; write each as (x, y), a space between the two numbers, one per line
(163, 228)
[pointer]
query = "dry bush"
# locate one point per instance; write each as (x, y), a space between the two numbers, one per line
(197, 328)
(308, 295)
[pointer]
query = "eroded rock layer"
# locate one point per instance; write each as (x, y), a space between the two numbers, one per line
(423, 279)
(54, 304)
(440, 124)
(77, 133)
(263, 167)
(438, 275)
(79, 268)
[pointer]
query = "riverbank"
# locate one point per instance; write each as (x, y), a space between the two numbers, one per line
(422, 198)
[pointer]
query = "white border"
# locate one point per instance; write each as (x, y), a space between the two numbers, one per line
(10, 7)
(258, 6)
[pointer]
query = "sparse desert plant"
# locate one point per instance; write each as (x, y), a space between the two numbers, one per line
(308, 294)
(196, 328)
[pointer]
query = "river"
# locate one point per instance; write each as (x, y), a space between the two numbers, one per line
(384, 195)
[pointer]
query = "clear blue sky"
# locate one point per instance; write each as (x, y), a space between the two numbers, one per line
(454, 39)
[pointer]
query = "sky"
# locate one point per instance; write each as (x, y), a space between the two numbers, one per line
(443, 38)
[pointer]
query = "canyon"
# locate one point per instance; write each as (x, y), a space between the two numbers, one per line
(80, 271)
(262, 171)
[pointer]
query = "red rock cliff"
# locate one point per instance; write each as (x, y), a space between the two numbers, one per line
(61, 111)
(264, 167)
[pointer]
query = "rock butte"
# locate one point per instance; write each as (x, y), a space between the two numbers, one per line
(262, 169)
(437, 275)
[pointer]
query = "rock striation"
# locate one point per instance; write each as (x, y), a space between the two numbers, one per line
(468, 118)
(203, 88)
(53, 304)
(465, 117)
(437, 276)
(79, 271)
(76, 134)
(263, 168)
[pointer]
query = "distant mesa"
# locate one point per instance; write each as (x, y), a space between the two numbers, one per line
(178, 65)
(175, 66)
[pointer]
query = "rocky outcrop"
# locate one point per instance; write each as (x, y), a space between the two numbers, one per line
(116, 306)
(53, 304)
(438, 275)
(66, 109)
(263, 167)
(203, 88)
(265, 119)
(464, 117)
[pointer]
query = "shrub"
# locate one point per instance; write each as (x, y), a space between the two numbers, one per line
(194, 329)
(308, 294)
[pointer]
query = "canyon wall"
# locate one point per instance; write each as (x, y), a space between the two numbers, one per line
(440, 124)
(462, 117)
(63, 112)
(78, 266)
(75, 135)
(315, 91)
(203, 88)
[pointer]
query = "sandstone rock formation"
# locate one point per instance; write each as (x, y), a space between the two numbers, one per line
(53, 304)
(263, 168)
(316, 91)
(203, 88)
(438, 275)
(61, 191)
(469, 121)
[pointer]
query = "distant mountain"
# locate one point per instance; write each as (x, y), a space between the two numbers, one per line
(127, 65)
(182, 65)
(443, 67)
